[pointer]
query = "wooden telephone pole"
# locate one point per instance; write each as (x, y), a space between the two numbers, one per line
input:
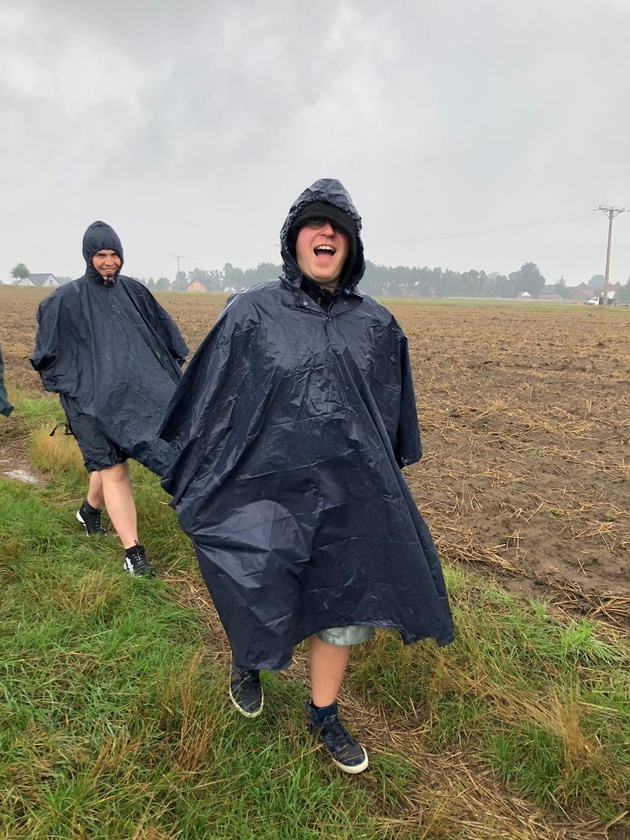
(611, 212)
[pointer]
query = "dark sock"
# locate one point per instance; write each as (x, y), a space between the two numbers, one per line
(324, 711)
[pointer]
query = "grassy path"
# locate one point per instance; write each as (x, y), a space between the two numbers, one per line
(114, 719)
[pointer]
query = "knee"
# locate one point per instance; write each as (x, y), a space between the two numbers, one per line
(116, 474)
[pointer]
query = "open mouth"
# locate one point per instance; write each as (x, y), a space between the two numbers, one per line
(324, 251)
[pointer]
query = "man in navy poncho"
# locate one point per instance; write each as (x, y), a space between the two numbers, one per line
(114, 356)
(292, 423)
(5, 406)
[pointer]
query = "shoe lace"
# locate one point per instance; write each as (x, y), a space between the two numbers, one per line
(137, 559)
(338, 737)
(245, 678)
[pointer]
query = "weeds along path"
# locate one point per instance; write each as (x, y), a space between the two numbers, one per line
(451, 794)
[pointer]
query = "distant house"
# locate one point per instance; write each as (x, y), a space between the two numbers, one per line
(581, 292)
(549, 293)
(612, 287)
(37, 280)
(196, 286)
(524, 296)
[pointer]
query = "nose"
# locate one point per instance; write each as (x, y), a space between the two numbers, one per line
(328, 229)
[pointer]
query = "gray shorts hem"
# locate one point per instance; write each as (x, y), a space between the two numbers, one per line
(353, 635)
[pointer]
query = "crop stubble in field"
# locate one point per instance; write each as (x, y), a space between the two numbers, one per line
(525, 415)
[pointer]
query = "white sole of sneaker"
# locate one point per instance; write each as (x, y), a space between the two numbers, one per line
(359, 768)
(242, 711)
(130, 570)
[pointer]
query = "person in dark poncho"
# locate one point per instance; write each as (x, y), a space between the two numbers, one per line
(5, 406)
(292, 423)
(114, 356)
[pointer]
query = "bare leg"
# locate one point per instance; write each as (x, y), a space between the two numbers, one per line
(119, 502)
(95, 496)
(328, 665)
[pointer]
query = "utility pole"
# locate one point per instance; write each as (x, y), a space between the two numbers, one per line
(611, 212)
(179, 257)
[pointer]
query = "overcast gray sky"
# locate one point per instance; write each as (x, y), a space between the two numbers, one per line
(469, 134)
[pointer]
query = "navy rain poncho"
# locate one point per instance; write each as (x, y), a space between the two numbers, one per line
(5, 406)
(113, 355)
(292, 424)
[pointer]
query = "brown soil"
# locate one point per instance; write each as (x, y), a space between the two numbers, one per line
(526, 418)
(525, 414)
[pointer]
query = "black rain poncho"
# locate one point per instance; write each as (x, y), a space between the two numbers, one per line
(292, 424)
(5, 406)
(113, 355)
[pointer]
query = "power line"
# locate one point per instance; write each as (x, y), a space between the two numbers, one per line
(569, 217)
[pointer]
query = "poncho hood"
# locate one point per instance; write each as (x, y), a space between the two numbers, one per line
(101, 236)
(328, 191)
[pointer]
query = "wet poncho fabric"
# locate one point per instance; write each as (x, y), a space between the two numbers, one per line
(5, 406)
(291, 425)
(113, 355)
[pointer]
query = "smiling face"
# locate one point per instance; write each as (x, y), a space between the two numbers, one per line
(321, 252)
(107, 263)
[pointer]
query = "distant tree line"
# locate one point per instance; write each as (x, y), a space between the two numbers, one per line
(216, 280)
(402, 281)
(384, 281)
(381, 281)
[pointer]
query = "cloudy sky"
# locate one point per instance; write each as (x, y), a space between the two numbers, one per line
(470, 134)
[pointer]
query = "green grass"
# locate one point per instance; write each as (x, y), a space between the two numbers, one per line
(111, 717)
(114, 720)
(545, 703)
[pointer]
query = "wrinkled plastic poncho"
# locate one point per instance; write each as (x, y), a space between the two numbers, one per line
(114, 356)
(5, 406)
(292, 425)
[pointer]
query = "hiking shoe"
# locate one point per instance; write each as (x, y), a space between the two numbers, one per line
(90, 518)
(136, 561)
(246, 691)
(345, 751)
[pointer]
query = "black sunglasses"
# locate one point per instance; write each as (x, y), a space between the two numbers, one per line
(318, 224)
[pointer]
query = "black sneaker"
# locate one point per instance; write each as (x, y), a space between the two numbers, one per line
(90, 518)
(136, 561)
(246, 691)
(345, 751)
